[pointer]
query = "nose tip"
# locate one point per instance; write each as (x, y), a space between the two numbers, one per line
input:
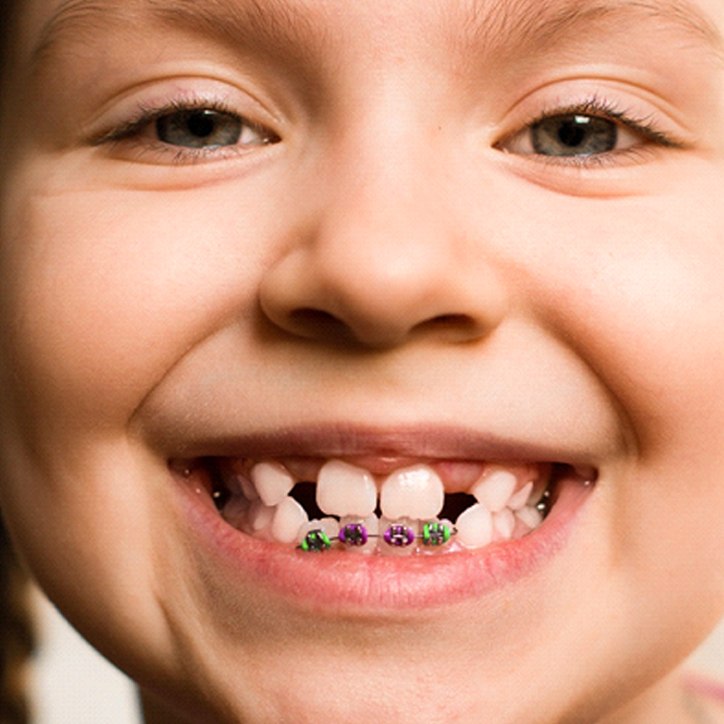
(380, 298)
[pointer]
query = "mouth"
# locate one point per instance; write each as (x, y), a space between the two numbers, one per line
(367, 522)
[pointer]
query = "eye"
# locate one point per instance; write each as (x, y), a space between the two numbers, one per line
(205, 128)
(572, 134)
(186, 131)
(584, 132)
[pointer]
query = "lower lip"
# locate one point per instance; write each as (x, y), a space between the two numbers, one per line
(334, 580)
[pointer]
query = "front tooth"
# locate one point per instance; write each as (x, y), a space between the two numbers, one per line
(272, 481)
(289, 517)
(415, 492)
(475, 527)
(346, 490)
(495, 489)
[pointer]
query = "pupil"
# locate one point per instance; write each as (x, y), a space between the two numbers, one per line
(572, 133)
(199, 128)
(201, 123)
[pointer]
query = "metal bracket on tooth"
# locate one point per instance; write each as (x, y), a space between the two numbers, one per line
(397, 535)
(544, 505)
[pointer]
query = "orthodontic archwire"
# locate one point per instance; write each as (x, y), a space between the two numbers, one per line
(397, 535)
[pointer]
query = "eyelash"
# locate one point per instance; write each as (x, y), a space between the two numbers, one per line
(594, 106)
(597, 107)
(146, 115)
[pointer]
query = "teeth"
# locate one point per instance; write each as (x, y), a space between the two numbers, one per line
(329, 525)
(495, 489)
(289, 517)
(272, 481)
(236, 511)
(260, 516)
(235, 478)
(398, 536)
(259, 503)
(475, 527)
(371, 524)
(530, 515)
(346, 490)
(415, 492)
(436, 542)
(247, 488)
(503, 524)
(519, 499)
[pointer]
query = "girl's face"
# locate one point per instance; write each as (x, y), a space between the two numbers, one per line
(483, 240)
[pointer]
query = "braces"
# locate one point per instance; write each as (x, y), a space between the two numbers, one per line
(397, 535)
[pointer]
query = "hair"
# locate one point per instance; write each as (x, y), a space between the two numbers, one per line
(8, 10)
(7, 15)
(16, 636)
(16, 629)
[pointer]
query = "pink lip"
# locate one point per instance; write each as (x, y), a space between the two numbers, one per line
(346, 581)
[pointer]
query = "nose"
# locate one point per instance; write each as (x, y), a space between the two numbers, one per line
(384, 260)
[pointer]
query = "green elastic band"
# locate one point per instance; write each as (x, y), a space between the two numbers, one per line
(312, 541)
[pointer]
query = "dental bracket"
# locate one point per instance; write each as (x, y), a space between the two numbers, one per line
(397, 535)
(544, 505)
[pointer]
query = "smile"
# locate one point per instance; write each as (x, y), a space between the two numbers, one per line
(426, 507)
(335, 522)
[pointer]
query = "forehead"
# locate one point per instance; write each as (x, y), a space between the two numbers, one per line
(49, 23)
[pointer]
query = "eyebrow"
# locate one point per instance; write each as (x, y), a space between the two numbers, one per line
(274, 23)
(287, 27)
(512, 23)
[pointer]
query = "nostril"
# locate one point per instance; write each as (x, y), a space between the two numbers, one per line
(460, 326)
(320, 324)
(448, 320)
(317, 323)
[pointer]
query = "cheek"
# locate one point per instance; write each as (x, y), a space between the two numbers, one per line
(637, 292)
(659, 324)
(103, 292)
(642, 301)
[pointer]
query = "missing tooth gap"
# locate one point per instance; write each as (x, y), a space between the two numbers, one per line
(305, 493)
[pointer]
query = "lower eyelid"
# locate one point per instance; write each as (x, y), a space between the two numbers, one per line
(160, 154)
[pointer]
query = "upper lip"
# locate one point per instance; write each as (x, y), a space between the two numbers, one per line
(401, 445)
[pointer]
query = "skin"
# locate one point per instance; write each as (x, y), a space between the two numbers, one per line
(147, 298)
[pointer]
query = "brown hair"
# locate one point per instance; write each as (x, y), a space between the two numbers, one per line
(16, 636)
(16, 631)
(7, 14)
